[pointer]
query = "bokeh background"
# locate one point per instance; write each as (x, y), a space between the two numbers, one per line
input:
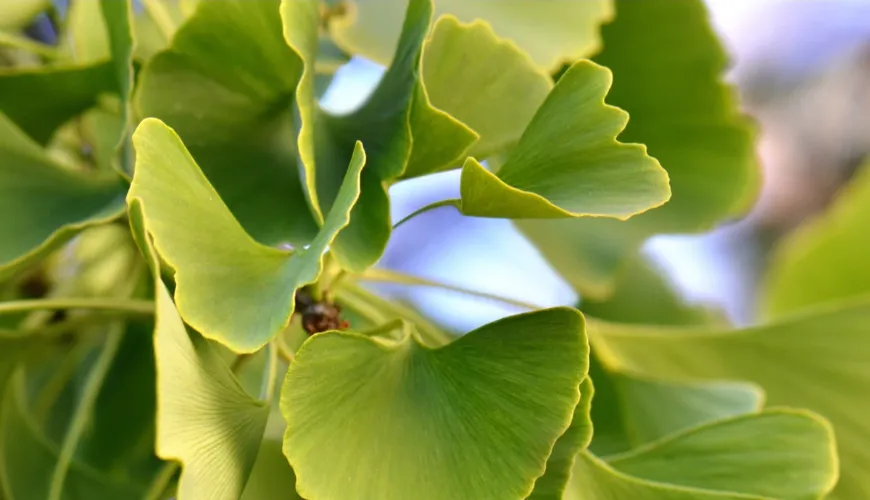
(802, 68)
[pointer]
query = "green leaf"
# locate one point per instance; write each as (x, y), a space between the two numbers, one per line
(228, 287)
(568, 162)
(501, 87)
(477, 418)
(562, 30)
(788, 454)
(823, 260)
(117, 17)
(818, 360)
(396, 116)
(782, 454)
(272, 478)
(667, 65)
(554, 481)
(64, 92)
(237, 122)
(43, 205)
(652, 408)
(205, 419)
(630, 410)
(28, 458)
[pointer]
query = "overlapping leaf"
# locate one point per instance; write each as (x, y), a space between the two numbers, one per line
(551, 486)
(228, 286)
(205, 419)
(562, 30)
(825, 259)
(226, 84)
(477, 418)
(43, 205)
(667, 67)
(568, 162)
(395, 119)
(631, 410)
(501, 88)
(778, 454)
(818, 360)
(652, 409)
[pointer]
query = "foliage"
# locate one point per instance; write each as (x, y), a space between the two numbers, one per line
(184, 233)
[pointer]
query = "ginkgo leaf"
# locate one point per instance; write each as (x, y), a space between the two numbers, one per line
(817, 360)
(238, 123)
(205, 419)
(652, 408)
(43, 205)
(501, 87)
(477, 418)
(778, 454)
(396, 117)
(117, 18)
(561, 31)
(64, 92)
(630, 410)
(551, 486)
(667, 65)
(823, 260)
(229, 287)
(568, 162)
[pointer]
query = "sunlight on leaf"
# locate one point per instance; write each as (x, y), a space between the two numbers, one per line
(474, 419)
(667, 65)
(204, 417)
(43, 205)
(229, 287)
(568, 162)
(817, 360)
(561, 30)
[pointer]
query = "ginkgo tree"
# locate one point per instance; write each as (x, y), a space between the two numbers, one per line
(186, 235)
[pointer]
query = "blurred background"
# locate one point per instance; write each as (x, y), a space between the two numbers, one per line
(802, 68)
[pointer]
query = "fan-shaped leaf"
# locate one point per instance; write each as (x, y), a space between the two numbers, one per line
(395, 116)
(818, 360)
(501, 87)
(667, 67)
(568, 162)
(229, 287)
(475, 419)
(551, 486)
(778, 454)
